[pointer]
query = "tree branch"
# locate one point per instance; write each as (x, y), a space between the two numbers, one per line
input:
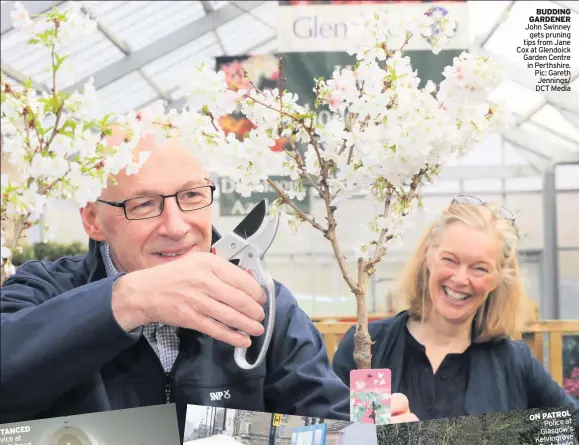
(351, 154)
(347, 127)
(316, 149)
(288, 201)
(55, 130)
(331, 232)
(382, 239)
(331, 236)
(281, 81)
(284, 113)
(302, 167)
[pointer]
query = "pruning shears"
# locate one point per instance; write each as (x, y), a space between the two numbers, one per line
(246, 247)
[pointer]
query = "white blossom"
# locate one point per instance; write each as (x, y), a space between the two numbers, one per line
(77, 24)
(86, 102)
(385, 131)
(62, 154)
(20, 17)
(385, 128)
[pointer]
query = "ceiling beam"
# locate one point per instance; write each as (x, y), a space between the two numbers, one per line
(495, 171)
(523, 119)
(537, 163)
(242, 6)
(107, 32)
(179, 103)
(567, 5)
(22, 78)
(207, 6)
(33, 7)
(572, 118)
(125, 48)
(156, 50)
(482, 40)
(540, 146)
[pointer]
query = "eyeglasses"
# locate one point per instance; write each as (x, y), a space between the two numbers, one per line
(473, 200)
(151, 206)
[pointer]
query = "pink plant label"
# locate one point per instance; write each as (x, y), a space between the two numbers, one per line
(370, 391)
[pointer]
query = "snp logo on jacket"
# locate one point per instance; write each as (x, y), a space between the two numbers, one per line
(219, 395)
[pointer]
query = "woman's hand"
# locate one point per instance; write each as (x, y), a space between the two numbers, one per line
(400, 409)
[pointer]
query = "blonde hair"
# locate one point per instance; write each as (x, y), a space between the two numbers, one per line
(503, 312)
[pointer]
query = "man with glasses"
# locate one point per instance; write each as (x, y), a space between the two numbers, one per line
(150, 316)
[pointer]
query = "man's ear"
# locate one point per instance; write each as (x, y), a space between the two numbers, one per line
(90, 222)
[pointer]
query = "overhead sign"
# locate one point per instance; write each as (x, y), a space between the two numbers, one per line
(313, 41)
(276, 420)
(232, 203)
(315, 27)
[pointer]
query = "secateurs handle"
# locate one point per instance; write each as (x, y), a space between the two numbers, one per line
(252, 263)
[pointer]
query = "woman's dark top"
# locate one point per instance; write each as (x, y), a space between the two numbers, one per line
(433, 396)
(502, 375)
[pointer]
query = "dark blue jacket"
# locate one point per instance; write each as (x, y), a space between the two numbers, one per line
(503, 374)
(63, 353)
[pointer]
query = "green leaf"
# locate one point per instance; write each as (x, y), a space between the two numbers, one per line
(43, 36)
(105, 120)
(70, 123)
(50, 104)
(62, 16)
(87, 125)
(33, 41)
(39, 127)
(60, 60)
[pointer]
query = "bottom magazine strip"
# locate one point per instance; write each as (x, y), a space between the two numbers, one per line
(557, 426)
(151, 425)
(205, 425)
(220, 426)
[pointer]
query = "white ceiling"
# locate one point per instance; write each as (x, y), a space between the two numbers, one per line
(140, 48)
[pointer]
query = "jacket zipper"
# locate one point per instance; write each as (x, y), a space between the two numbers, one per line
(170, 380)
(168, 386)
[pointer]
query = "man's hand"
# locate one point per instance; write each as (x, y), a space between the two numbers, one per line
(400, 409)
(192, 293)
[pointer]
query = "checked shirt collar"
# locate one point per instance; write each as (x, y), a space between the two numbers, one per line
(162, 338)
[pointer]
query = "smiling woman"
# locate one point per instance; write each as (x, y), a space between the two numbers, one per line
(465, 270)
(451, 353)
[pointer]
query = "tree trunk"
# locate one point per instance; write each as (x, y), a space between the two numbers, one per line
(362, 339)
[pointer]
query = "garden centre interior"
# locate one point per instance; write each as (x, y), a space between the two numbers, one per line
(140, 48)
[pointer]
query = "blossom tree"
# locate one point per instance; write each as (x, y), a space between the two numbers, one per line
(387, 137)
(54, 141)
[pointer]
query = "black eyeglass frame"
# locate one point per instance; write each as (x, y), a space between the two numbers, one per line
(123, 204)
(474, 200)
